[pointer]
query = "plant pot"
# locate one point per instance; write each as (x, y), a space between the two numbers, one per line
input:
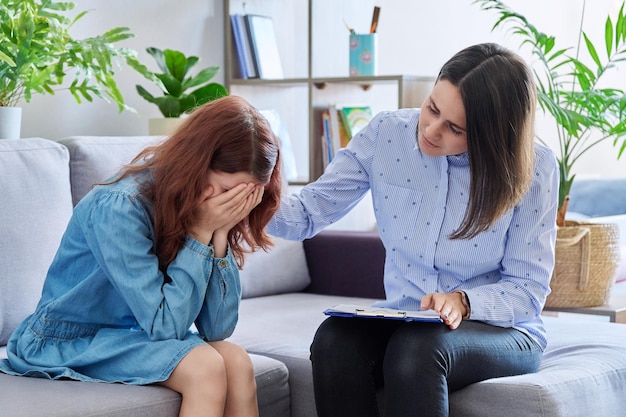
(163, 126)
(10, 122)
(587, 257)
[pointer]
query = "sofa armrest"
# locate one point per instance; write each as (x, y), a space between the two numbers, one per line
(346, 263)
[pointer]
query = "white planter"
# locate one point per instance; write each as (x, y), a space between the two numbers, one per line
(10, 122)
(163, 126)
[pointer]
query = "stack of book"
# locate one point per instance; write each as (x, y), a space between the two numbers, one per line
(339, 125)
(256, 46)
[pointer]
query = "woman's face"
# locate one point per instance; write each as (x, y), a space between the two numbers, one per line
(441, 130)
(221, 181)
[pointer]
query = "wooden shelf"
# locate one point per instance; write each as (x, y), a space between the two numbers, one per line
(300, 99)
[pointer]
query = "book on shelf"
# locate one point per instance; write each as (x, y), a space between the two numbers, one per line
(338, 132)
(264, 46)
(243, 47)
(355, 118)
(327, 152)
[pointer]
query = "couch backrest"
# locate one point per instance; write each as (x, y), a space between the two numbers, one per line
(35, 206)
(41, 181)
(94, 159)
(598, 197)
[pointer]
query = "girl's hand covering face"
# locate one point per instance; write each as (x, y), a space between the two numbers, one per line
(242, 210)
(216, 211)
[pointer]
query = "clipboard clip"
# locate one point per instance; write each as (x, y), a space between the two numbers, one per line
(380, 313)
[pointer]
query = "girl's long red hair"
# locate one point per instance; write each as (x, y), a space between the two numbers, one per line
(227, 135)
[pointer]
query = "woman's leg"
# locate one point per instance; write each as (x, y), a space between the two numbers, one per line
(425, 361)
(241, 399)
(346, 355)
(200, 377)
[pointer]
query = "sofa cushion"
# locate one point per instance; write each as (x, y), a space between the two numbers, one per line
(282, 269)
(96, 158)
(584, 359)
(36, 205)
(595, 197)
(78, 399)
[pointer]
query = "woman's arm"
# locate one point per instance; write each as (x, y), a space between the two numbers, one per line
(528, 261)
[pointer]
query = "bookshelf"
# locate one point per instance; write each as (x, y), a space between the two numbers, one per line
(313, 44)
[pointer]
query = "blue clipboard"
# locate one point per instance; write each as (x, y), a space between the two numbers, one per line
(360, 311)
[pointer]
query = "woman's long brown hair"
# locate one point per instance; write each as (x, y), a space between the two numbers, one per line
(227, 135)
(499, 95)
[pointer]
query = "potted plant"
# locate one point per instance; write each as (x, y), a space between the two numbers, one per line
(37, 52)
(585, 113)
(181, 91)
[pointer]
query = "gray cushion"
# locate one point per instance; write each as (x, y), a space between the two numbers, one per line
(79, 399)
(282, 269)
(583, 372)
(36, 205)
(596, 197)
(282, 327)
(96, 158)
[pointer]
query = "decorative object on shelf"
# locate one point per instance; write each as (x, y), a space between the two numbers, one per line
(37, 50)
(363, 60)
(586, 113)
(175, 82)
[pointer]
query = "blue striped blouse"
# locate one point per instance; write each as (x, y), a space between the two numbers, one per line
(418, 202)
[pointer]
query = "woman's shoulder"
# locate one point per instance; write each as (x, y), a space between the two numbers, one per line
(404, 115)
(545, 158)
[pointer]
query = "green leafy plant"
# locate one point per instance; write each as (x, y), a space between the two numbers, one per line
(37, 51)
(586, 113)
(175, 83)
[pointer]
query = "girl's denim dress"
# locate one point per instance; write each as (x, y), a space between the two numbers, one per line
(107, 313)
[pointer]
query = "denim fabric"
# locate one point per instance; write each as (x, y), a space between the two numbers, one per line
(107, 313)
(418, 364)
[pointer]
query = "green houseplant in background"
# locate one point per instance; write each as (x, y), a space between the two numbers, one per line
(182, 92)
(585, 112)
(37, 53)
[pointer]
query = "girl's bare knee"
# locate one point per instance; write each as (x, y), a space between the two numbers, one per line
(203, 368)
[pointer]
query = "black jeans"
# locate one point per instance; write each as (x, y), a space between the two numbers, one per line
(418, 364)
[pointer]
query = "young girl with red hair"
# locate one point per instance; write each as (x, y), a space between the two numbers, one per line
(154, 251)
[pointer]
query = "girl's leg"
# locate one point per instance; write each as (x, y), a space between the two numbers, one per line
(346, 356)
(425, 361)
(200, 377)
(241, 399)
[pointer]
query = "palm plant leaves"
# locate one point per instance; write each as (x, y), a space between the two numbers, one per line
(568, 89)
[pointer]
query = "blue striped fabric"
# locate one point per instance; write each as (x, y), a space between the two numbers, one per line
(418, 201)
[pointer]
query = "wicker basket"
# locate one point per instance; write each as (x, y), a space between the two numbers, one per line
(587, 256)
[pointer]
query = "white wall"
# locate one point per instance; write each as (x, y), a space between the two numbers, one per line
(415, 37)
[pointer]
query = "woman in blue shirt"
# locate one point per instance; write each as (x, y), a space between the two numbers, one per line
(155, 251)
(465, 204)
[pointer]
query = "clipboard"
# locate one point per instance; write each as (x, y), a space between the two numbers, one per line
(361, 311)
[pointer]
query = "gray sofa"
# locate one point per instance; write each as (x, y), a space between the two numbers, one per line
(285, 291)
